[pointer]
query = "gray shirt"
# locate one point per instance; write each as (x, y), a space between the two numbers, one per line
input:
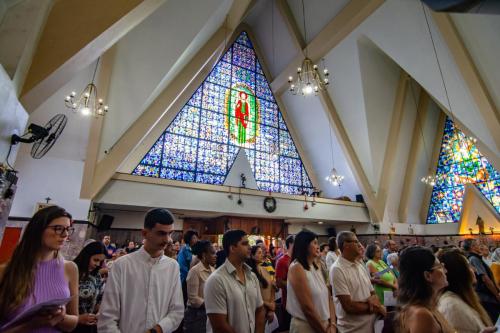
(226, 294)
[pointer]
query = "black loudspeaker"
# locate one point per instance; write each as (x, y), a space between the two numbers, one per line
(105, 222)
(332, 232)
(359, 198)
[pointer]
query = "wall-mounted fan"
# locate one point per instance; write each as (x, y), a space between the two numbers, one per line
(42, 137)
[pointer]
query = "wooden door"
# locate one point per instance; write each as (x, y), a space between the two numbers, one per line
(10, 239)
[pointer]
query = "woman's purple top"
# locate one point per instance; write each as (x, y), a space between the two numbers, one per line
(50, 283)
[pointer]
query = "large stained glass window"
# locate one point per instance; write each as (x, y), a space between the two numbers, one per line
(232, 109)
(460, 162)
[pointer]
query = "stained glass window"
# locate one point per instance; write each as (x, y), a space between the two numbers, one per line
(233, 108)
(460, 163)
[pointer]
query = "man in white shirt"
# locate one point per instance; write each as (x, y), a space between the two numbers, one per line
(143, 292)
(233, 301)
(356, 304)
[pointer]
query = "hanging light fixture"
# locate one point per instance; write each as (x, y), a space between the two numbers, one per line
(309, 78)
(334, 177)
(462, 140)
(87, 104)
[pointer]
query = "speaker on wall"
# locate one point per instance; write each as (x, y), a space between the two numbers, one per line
(359, 198)
(105, 222)
(331, 231)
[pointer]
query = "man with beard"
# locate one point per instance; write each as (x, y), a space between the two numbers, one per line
(143, 291)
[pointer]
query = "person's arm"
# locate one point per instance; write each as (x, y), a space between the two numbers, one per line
(298, 282)
(70, 319)
(176, 307)
(491, 286)
(216, 305)
(220, 323)
(332, 321)
(109, 315)
(422, 321)
(260, 319)
(193, 285)
(376, 279)
(280, 274)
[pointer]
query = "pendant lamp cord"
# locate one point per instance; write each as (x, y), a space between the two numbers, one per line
(95, 69)
(304, 24)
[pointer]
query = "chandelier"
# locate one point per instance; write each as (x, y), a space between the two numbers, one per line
(87, 103)
(334, 178)
(309, 78)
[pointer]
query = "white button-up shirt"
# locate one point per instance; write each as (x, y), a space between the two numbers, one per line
(226, 294)
(142, 292)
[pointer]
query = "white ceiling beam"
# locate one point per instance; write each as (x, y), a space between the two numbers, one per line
(348, 19)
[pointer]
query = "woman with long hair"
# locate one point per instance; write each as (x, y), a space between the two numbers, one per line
(459, 303)
(195, 317)
(267, 289)
(89, 262)
(37, 273)
(308, 299)
(382, 275)
(422, 278)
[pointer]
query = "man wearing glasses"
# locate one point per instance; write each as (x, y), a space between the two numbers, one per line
(143, 292)
(355, 301)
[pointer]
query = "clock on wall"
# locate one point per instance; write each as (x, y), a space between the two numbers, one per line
(270, 204)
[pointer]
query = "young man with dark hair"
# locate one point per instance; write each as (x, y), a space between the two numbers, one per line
(233, 301)
(110, 249)
(143, 290)
(282, 266)
(184, 258)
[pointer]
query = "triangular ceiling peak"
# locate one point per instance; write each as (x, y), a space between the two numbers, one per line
(233, 108)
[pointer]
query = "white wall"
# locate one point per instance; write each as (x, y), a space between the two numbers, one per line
(56, 178)
(13, 117)
(147, 57)
(130, 219)
(121, 192)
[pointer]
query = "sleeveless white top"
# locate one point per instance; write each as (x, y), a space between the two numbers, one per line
(319, 295)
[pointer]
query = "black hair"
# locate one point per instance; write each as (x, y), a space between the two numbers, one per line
(322, 246)
(289, 240)
(467, 244)
(253, 265)
(413, 287)
(301, 247)
(202, 246)
(231, 238)
(82, 260)
(188, 235)
(332, 244)
(370, 251)
(259, 241)
(158, 215)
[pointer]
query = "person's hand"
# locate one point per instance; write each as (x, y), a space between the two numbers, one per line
(381, 310)
(331, 329)
(87, 319)
(490, 329)
(48, 318)
(373, 300)
(269, 316)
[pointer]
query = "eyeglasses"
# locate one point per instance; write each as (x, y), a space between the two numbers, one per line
(59, 229)
(437, 266)
(352, 241)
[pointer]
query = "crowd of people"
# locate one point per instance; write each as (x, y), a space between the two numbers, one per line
(339, 286)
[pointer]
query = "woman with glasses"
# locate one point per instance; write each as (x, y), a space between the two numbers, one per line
(422, 278)
(382, 275)
(308, 299)
(37, 273)
(459, 303)
(89, 262)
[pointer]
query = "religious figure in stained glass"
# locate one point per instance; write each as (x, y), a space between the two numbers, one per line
(232, 109)
(460, 163)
